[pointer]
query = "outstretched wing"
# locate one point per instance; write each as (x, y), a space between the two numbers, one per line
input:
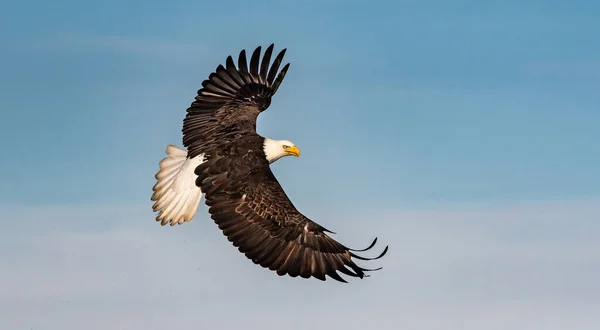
(231, 99)
(248, 204)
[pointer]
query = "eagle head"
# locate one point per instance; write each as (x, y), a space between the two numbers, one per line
(275, 149)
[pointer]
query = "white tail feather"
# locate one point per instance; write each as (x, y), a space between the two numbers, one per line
(175, 194)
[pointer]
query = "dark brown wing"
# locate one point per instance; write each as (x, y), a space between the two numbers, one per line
(231, 99)
(248, 204)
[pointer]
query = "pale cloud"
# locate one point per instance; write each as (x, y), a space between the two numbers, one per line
(527, 266)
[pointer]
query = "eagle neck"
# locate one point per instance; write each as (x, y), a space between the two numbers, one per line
(272, 150)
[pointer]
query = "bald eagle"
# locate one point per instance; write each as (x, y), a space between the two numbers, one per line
(228, 162)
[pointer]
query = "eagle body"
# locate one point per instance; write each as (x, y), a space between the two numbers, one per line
(176, 194)
(228, 163)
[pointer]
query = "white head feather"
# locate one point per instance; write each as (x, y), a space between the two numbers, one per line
(275, 149)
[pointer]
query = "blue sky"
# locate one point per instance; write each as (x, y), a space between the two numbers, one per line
(427, 118)
(458, 102)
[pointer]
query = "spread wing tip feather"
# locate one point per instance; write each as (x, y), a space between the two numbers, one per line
(254, 82)
(312, 254)
(229, 92)
(329, 265)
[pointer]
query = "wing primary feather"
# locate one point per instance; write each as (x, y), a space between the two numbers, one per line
(243, 68)
(275, 67)
(273, 254)
(278, 263)
(211, 86)
(367, 248)
(320, 267)
(368, 259)
(371, 269)
(307, 260)
(254, 64)
(243, 62)
(346, 271)
(228, 78)
(260, 251)
(333, 274)
(290, 259)
(296, 261)
(218, 80)
(264, 66)
(279, 78)
(233, 72)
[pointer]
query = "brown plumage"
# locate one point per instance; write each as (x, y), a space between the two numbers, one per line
(245, 199)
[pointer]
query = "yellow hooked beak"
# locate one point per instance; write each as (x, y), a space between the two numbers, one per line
(293, 150)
